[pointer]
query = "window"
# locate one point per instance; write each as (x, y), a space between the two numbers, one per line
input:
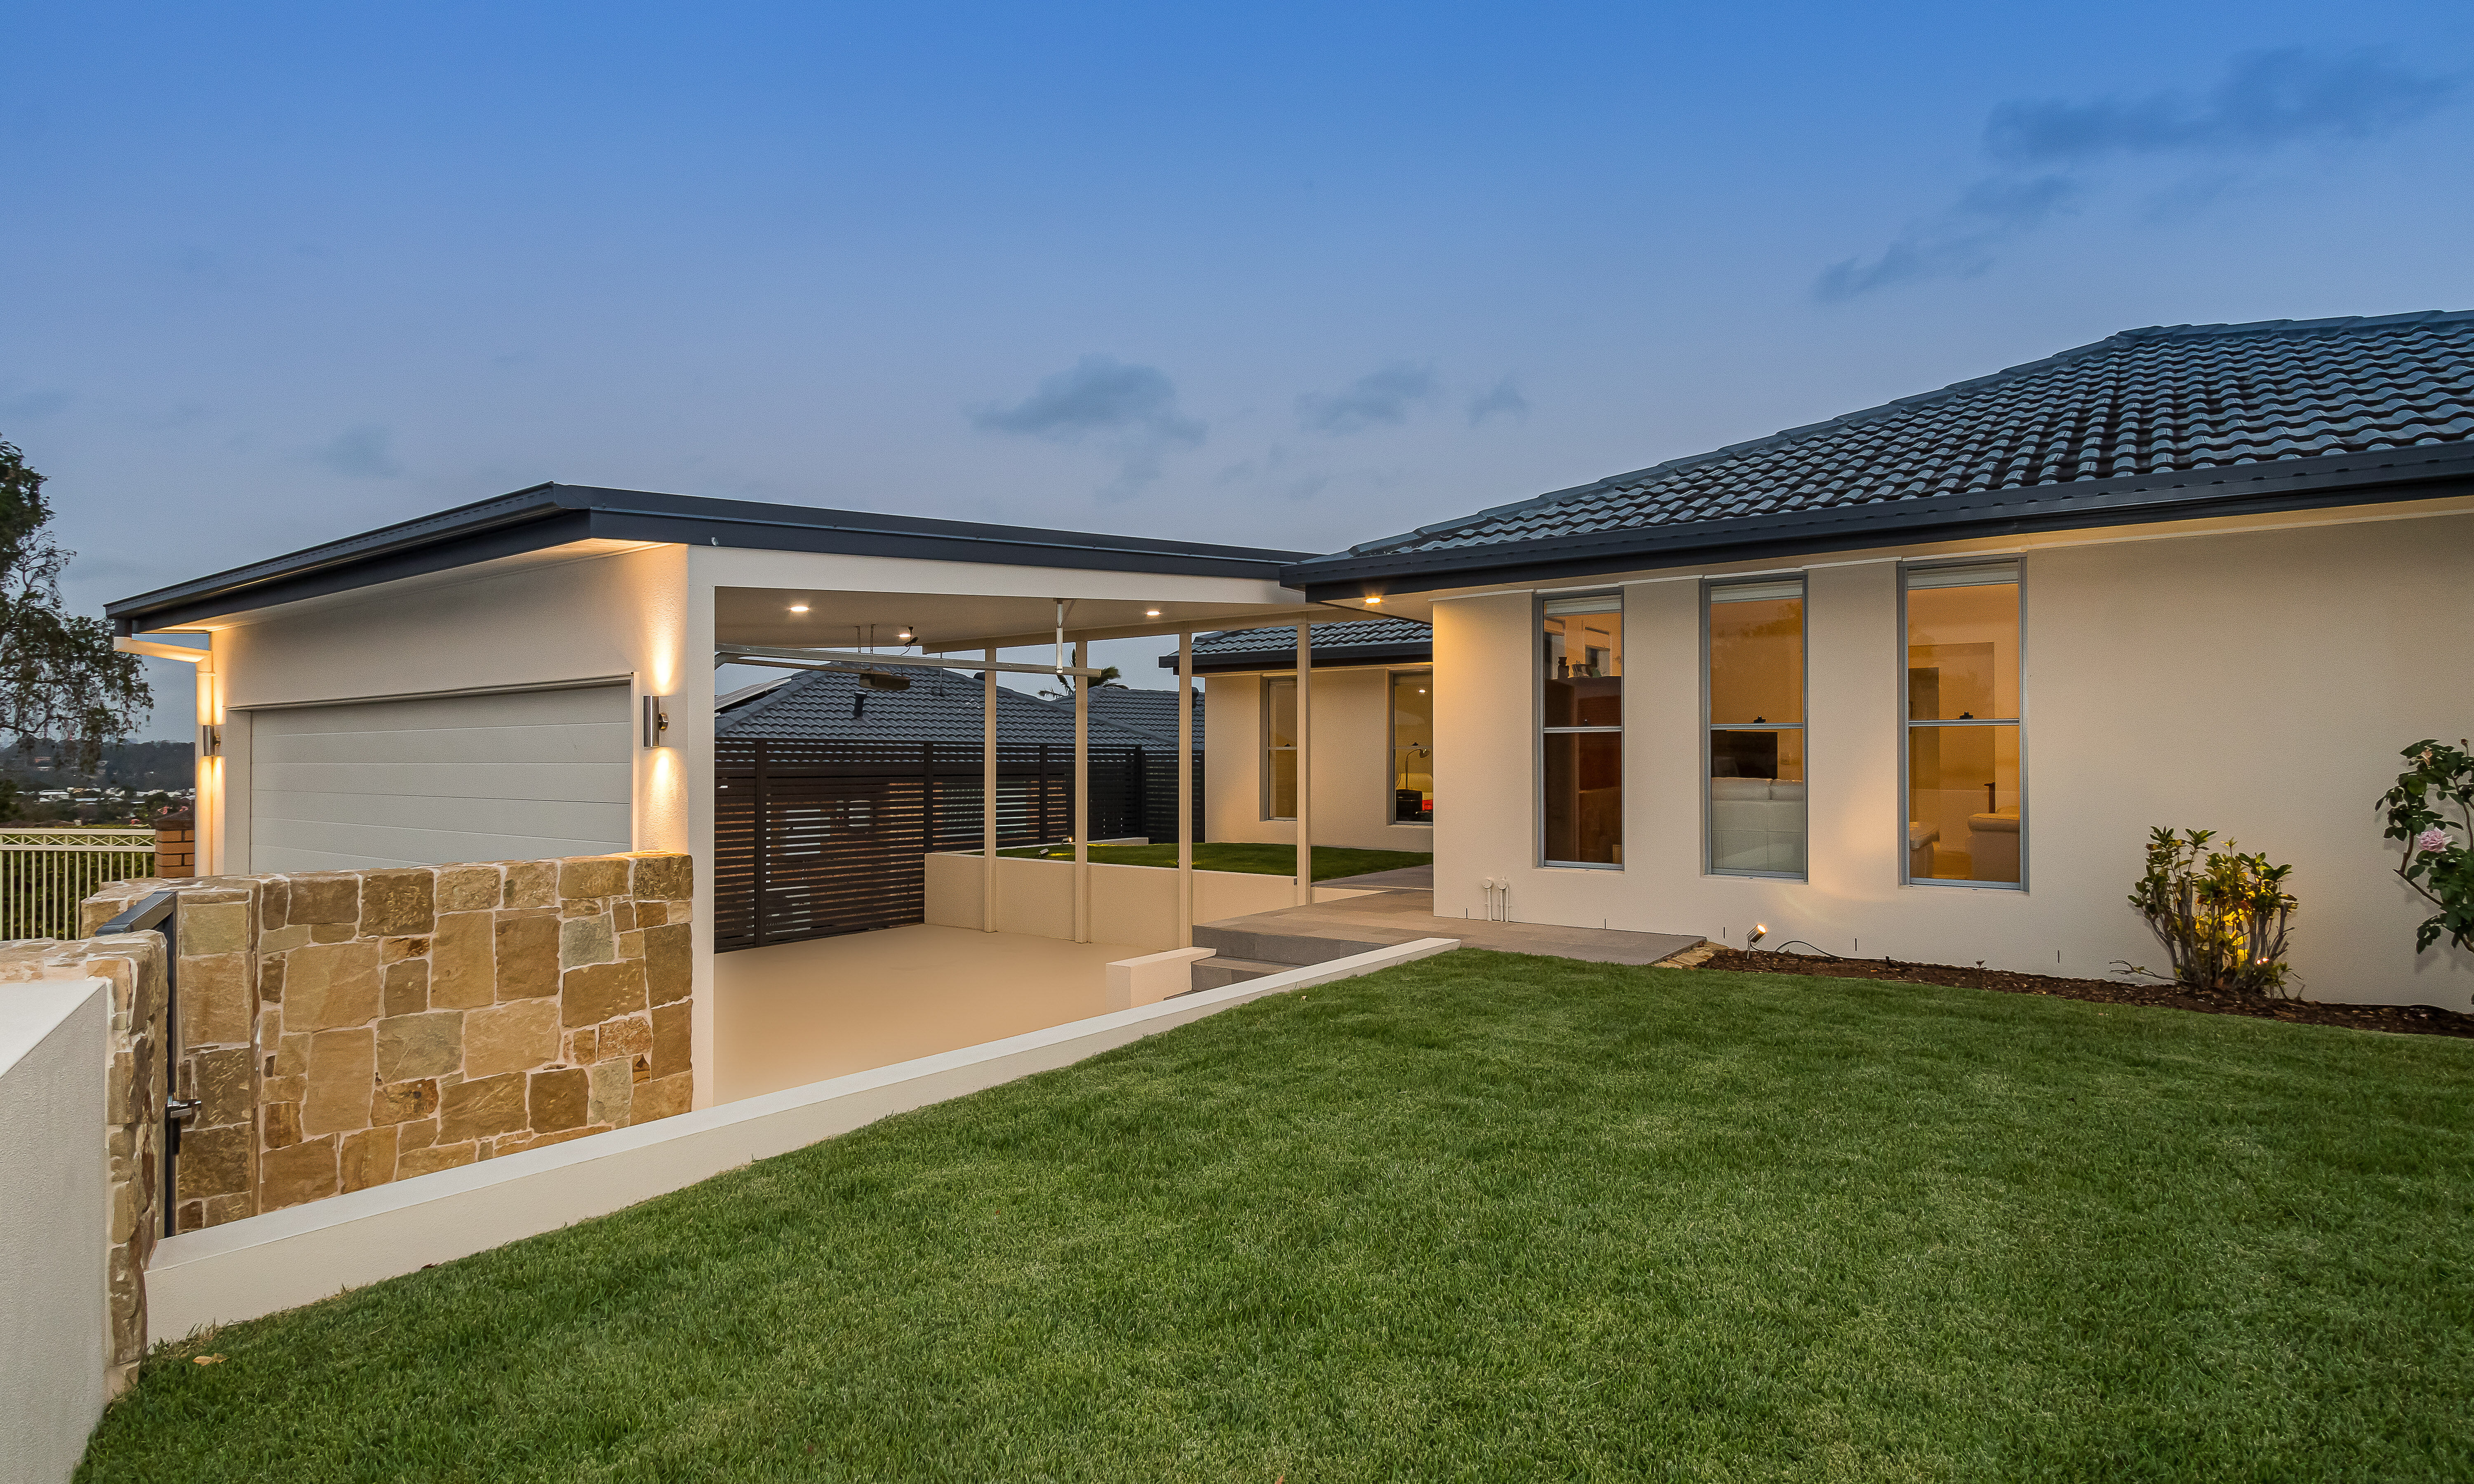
(1964, 820)
(1756, 727)
(1413, 749)
(1279, 750)
(1582, 680)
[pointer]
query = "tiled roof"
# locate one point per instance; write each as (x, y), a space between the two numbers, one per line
(1151, 712)
(1346, 634)
(939, 707)
(2146, 401)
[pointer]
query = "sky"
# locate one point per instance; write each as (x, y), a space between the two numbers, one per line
(1293, 277)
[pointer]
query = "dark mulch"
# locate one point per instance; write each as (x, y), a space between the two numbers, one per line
(2405, 1019)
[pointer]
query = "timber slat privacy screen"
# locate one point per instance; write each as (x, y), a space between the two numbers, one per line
(815, 838)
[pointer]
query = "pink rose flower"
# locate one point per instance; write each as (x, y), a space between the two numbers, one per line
(2433, 839)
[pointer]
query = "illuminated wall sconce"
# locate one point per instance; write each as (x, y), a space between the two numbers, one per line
(211, 741)
(657, 721)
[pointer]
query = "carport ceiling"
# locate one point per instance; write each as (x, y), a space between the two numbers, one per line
(950, 622)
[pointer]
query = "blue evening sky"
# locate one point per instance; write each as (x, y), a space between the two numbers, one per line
(1285, 275)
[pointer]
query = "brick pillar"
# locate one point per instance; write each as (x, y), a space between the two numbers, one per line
(176, 846)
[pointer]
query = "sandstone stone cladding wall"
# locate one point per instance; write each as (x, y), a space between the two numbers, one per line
(344, 1029)
(132, 1117)
(176, 845)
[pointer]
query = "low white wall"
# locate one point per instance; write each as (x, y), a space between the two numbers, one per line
(53, 1225)
(290, 1258)
(1152, 977)
(1129, 904)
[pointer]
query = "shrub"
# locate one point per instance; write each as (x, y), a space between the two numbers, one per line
(2437, 864)
(2221, 915)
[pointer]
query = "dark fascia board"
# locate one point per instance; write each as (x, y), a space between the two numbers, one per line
(1325, 656)
(2242, 490)
(552, 515)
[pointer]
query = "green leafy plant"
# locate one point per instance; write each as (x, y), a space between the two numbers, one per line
(60, 676)
(2222, 916)
(2437, 862)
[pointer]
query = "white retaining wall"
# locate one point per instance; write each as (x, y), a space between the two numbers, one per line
(53, 1228)
(1129, 904)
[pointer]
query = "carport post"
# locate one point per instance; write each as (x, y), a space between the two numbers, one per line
(1082, 792)
(1185, 788)
(1305, 765)
(989, 794)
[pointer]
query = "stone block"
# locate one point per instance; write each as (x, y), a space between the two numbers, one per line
(629, 1036)
(468, 888)
(631, 943)
(601, 991)
(663, 1097)
(463, 966)
(342, 1071)
(510, 1037)
(417, 1135)
(223, 1088)
(325, 897)
(481, 1108)
(407, 989)
(650, 913)
(395, 950)
(367, 1157)
(222, 927)
(397, 902)
(214, 1162)
(527, 947)
(332, 932)
(558, 1099)
(430, 1045)
(274, 899)
(614, 1089)
(622, 920)
(229, 1207)
(287, 1090)
(291, 1055)
(583, 1047)
(215, 1008)
(297, 1175)
(433, 1159)
(404, 1102)
(531, 883)
(189, 1216)
(670, 966)
(517, 1143)
(331, 985)
(592, 875)
(671, 1031)
(663, 879)
(587, 940)
(282, 940)
(269, 977)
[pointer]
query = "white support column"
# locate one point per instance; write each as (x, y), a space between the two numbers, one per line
(1185, 788)
(1081, 792)
(1305, 765)
(989, 794)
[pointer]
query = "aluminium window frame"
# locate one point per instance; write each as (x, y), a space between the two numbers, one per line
(1263, 748)
(2018, 562)
(1392, 746)
(1538, 731)
(1801, 729)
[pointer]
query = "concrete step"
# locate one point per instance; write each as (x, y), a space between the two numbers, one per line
(1289, 951)
(1218, 973)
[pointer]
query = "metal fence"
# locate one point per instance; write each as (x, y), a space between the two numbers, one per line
(44, 874)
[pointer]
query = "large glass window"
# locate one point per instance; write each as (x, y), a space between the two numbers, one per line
(1413, 749)
(1583, 777)
(1279, 750)
(1964, 820)
(1756, 727)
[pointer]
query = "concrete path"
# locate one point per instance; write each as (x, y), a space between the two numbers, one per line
(1420, 879)
(1403, 915)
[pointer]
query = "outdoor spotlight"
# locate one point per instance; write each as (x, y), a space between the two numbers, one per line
(1760, 930)
(1373, 602)
(657, 720)
(878, 680)
(1151, 612)
(798, 608)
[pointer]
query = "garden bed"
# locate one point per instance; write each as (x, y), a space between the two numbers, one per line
(2405, 1019)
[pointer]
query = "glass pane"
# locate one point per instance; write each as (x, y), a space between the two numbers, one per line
(1585, 796)
(1757, 802)
(1963, 653)
(1963, 804)
(1281, 768)
(1280, 713)
(1757, 660)
(1413, 749)
(1585, 670)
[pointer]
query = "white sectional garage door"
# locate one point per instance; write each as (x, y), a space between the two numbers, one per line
(425, 781)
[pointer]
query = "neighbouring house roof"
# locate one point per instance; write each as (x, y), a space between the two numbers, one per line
(554, 514)
(2159, 424)
(1153, 712)
(1358, 641)
(939, 707)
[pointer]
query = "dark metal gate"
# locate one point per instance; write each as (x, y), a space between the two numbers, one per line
(815, 838)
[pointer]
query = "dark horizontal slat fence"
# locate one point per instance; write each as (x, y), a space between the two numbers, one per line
(815, 838)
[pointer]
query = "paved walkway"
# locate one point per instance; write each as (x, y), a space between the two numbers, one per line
(1420, 878)
(1388, 916)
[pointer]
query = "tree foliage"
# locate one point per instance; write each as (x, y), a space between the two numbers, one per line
(2437, 863)
(60, 676)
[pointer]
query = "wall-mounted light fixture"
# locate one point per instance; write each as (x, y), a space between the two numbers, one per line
(211, 741)
(1151, 612)
(657, 721)
(798, 608)
(1374, 603)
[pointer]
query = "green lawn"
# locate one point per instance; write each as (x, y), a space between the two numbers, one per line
(1330, 862)
(1480, 1217)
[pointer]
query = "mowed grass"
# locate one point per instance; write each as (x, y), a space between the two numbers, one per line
(1330, 862)
(1480, 1217)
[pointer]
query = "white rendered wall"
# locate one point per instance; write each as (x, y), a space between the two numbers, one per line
(2257, 682)
(52, 1226)
(1352, 764)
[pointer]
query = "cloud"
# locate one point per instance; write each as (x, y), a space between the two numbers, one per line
(1384, 396)
(362, 452)
(2045, 150)
(1503, 399)
(1132, 410)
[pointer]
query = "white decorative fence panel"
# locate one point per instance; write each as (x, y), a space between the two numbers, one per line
(44, 874)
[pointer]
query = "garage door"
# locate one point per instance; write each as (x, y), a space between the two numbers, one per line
(441, 778)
